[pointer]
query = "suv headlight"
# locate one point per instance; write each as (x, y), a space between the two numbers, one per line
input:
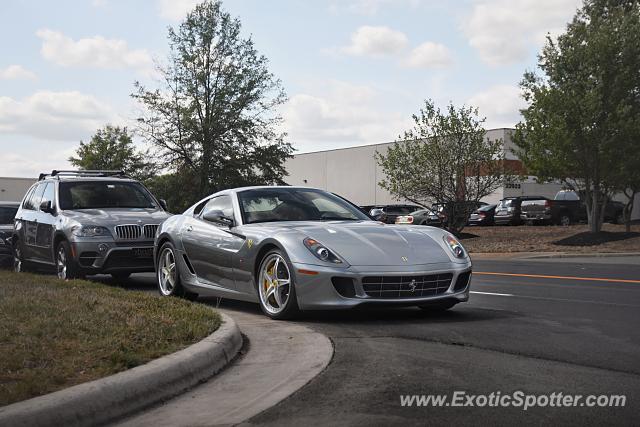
(321, 252)
(91, 231)
(456, 247)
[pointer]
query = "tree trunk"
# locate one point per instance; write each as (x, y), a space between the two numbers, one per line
(628, 208)
(594, 220)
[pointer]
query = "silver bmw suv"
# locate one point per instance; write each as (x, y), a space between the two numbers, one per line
(87, 222)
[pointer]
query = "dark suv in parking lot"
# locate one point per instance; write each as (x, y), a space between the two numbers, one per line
(509, 209)
(87, 222)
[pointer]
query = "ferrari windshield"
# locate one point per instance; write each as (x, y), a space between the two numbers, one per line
(295, 204)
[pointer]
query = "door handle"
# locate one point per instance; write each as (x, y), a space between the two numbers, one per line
(190, 228)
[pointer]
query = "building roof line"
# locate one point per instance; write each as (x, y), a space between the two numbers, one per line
(373, 144)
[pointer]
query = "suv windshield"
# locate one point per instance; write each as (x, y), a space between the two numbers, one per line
(7, 214)
(295, 204)
(104, 194)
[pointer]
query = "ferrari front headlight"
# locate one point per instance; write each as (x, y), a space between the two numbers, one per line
(321, 252)
(456, 247)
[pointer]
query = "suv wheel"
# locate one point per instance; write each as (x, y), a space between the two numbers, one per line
(65, 265)
(18, 262)
(565, 219)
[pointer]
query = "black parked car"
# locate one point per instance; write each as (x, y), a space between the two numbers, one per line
(484, 215)
(7, 214)
(509, 209)
(440, 209)
(565, 209)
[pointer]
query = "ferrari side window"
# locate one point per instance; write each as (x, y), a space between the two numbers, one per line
(221, 203)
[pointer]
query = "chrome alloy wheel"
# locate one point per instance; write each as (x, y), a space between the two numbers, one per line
(61, 263)
(167, 272)
(275, 284)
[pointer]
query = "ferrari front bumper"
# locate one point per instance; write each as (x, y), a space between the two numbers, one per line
(327, 287)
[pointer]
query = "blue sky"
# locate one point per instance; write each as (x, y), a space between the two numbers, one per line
(354, 70)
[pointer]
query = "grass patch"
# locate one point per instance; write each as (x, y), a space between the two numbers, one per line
(55, 334)
(554, 238)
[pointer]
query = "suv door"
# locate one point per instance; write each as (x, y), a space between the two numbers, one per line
(29, 222)
(210, 246)
(44, 226)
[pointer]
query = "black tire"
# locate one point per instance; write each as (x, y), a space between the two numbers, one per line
(120, 276)
(66, 267)
(565, 219)
(619, 219)
(176, 289)
(290, 308)
(438, 306)
(19, 264)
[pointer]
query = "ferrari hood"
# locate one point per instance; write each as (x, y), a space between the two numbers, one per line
(374, 244)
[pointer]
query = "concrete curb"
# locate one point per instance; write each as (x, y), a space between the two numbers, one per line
(108, 399)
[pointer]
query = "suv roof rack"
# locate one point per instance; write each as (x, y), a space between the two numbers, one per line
(89, 173)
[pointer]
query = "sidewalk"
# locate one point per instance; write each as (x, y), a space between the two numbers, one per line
(281, 358)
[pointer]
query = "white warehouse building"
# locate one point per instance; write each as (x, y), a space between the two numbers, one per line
(354, 174)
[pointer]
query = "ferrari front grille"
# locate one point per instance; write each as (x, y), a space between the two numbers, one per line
(406, 286)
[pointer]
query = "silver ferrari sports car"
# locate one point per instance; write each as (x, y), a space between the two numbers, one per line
(297, 248)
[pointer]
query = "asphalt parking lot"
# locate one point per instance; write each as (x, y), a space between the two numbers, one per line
(540, 327)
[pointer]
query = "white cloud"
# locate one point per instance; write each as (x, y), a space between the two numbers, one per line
(376, 41)
(428, 55)
(99, 3)
(16, 72)
(30, 164)
(503, 31)
(343, 114)
(54, 115)
(176, 10)
(96, 52)
(500, 104)
(369, 7)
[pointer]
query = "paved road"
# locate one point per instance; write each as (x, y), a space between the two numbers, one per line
(526, 328)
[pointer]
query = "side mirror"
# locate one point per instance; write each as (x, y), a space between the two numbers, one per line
(46, 206)
(218, 217)
(163, 204)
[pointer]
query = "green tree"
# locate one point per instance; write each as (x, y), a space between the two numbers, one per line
(176, 188)
(111, 148)
(444, 159)
(576, 127)
(214, 112)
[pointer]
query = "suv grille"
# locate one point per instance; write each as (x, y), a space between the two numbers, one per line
(150, 231)
(134, 232)
(406, 286)
(128, 232)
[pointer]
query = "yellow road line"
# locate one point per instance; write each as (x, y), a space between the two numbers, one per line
(542, 276)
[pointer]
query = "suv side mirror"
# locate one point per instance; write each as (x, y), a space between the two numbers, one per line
(46, 206)
(218, 217)
(163, 204)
